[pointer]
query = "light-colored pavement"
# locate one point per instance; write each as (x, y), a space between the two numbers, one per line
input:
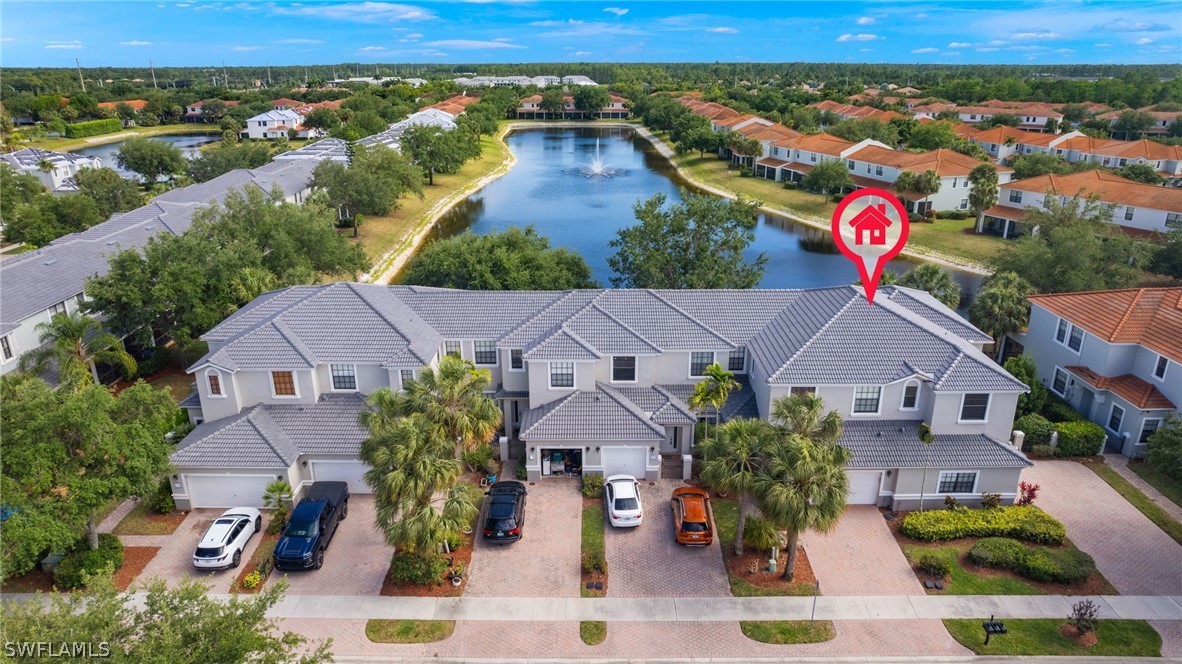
(356, 561)
(174, 561)
(546, 561)
(646, 561)
(116, 516)
(1120, 464)
(1134, 554)
(860, 557)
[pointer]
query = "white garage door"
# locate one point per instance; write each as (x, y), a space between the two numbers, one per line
(864, 487)
(624, 461)
(342, 471)
(227, 490)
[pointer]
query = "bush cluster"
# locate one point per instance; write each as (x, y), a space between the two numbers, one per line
(93, 128)
(1058, 410)
(161, 501)
(935, 565)
(416, 569)
(252, 580)
(1037, 428)
(1066, 565)
(522, 473)
(959, 215)
(1077, 439)
(1026, 523)
(1042, 450)
(594, 561)
(83, 562)
(162, 357)
(477, 458)
(592, 486)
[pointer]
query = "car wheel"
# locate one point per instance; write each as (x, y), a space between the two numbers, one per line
(344, 510)
(319, 558)
(258, 523)
(237, 559)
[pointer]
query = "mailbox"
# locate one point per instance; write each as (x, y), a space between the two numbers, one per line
(992, 627)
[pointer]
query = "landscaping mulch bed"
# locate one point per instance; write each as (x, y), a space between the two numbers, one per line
(740, 567)
(135, 559)
(261, 554)
(463, 555)
(34, 581)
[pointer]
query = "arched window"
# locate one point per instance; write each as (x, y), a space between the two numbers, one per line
(214, 379)
(910, 396)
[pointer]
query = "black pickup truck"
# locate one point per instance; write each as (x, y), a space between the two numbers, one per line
(311, 526)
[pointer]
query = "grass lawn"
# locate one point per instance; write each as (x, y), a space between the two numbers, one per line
(1041, 637)
(593, 632)
(141, 520)
(948, 236)
(179, 383)
(1166, 485)
(726, 520)
(782, 632)
(964, 582)
(1150, 509)
(67, 144)
(592, 539)
(408, 631)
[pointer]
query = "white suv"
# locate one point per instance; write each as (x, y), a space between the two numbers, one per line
(226, 539)
(622, 493)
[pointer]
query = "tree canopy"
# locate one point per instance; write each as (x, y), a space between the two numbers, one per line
(111, 192)
(513, 259)
(591, 98)
(225, 157)
(936, 280)
(1001, 307)
(151, 159)
(829, 175)
(437, 150)
(372, 183)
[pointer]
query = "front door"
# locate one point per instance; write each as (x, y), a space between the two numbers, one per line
(1086, 397)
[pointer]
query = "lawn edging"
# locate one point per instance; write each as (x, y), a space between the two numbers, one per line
(726, 514)
(1137, 498)
(381, 630)
(1169, 488)
(142, 520)
(1040, 637)
(786, 632)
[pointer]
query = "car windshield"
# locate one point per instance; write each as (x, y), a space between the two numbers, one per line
(500, 511)
(301, 529)
(208, 552)
(502, 524)
(693, 527)
(626, 504)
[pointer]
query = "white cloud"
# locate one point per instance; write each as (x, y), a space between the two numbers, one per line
(1143, 41)
(414, 35)
(1026, 48)
(988, 49)
(470, 44)
(951, 53)
(996, 42)
(63, 44)
(858, 37)
(1036, 34)
(6, 39)
(135, 43)
(502, 39)
(1103, 45)
(723, 30)
(866, 50)
(866, 20)
(555, 24)
(926, 50)
(921, 16)
(310, 42)
(1125, 25)
(581, 53)
(372, 48)
(246, 48)
(1065, 51)
(960, 45)
(618, 11)
(183, 4)
(361, 12)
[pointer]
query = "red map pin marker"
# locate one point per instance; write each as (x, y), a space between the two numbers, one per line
(870, 228)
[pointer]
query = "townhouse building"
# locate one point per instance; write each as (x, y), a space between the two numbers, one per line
(194, 112)
(617, 108)
(429, 117)
(521, 81)
(597, 381)
(1115, 356)
(1161, 119)
(1075, 147)
(1034, 116)
(55, 170)
(277, 124)
(1136, 207)
(852, 112)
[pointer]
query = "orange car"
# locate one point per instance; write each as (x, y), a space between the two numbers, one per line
(693, 520)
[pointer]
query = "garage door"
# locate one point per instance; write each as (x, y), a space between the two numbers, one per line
(864, 487)
(624, 461)
(342, 471)
(227, 490)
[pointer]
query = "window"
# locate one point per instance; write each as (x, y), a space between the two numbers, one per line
(562, 374)
(78, 300)
(59, 308)
(1061, 331)
(515, 361)
(910, 396)
(957, 482)
(803, 391)
(1148, 427)
(866, 398)
(451, 348)
(850, 164)
(877, 170)
(6, 348)
(1115, 417)
(954, 183)
(344, 376)
(1015, 196)
(1159, 369)
(485, 352)
(812, 156)
(699, 361)
(737, 360)
(974, 408)
(623, 369)
(1174, 219)
(964, 203)
(405, 376)
(1059, 384)
(1129, 213)
(1076, 338)
(215, 383)
(283, 384)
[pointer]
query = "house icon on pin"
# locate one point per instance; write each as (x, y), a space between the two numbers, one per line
(871, 222)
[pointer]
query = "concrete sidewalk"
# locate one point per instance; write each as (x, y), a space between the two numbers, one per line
(970, 659)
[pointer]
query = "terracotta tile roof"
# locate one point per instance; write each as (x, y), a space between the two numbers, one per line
(1039, 139)
(1132, 389)
(1006, 212)
(284, 102)
(740, 119)
(1110, 188)
(1144, 148)
(946, 163)
(774, 132)
(135, 104)
(1151, 317)
(771, 161)
(532, 99)
(1002, 133)
(821, 143)
(1157, 115)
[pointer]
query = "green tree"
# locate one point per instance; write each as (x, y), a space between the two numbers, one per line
(1140, 173)
(435, 149)
(1001, 307)
(324, 119)
(804, 415)
(1001, 120)
(1024, 369)
(591, 98)
(17, 188)
(829, 175)
(111, 192)
(372, 183)
(226, 157)
(1165, 448)
(702, 139)
(49, 217)
(450, 399)
(1167, 259)
(932, 136)
(1034, 165)
(513, 259)
(1132, 122)
(984, 192)
(921, 185)
(552, 101)
(72, 343)
(480, 120)
(936, 280)
(732, 462)
(857, 130)
(713, 391)
(698, 244)
(746, 148)
(151, 159)
(183, 625)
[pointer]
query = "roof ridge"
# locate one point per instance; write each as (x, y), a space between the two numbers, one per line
(947, 372)
(628, 405)
(687, 315)
(811, 339)
(263, 434)
(539, 314)
(582, 342)
(292, 338)
(622, 324)
(1128, 312)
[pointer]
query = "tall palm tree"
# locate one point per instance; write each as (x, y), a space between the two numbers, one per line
(984, 192)
(732, 462)
(935, 280)
(918, 184)
(803, 486)
(805, 416)
(927, 438)
(75, 342)
(713, 392)
(1001, 307)
(452, 402)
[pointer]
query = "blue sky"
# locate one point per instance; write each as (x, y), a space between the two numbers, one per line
(53, 34)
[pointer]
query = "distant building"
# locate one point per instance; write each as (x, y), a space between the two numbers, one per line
(277, 124)
(520, 81)
(55, 169)
(194, 112)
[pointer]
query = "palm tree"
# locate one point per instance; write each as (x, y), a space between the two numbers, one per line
(452, 402)
(983, 195)
(918, 184)
(803, 415)
(803, 486)
(935, 280)
(46, 166)
(1001, 307)
(713, 392)
(74, 343)
(731, 462)
(927, 438)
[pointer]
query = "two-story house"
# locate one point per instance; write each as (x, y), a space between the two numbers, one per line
(279, 123)
(195, 112)
(1115, 356)
(597, 381)
(56, 170)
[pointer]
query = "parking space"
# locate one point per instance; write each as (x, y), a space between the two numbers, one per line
(546, 561)
(356, 561)
(860, 557)
(646, 561)
(174, 561)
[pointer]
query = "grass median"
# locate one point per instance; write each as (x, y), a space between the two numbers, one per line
(408, 631)
(784, 632)
(1042, 638)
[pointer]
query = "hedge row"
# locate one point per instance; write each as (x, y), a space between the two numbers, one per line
(1077, 438)
(83, 562)
(1025, 522)
(1037, 428)
(1038, 563)
(93, 128)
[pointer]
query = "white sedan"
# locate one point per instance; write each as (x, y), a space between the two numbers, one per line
(622, 493)
(226, 539)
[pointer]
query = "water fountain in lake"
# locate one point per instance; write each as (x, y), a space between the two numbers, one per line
(597, 168)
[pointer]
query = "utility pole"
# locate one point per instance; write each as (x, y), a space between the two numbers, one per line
(268, 74)
(152, 66)
(225, 78)
(80, 79)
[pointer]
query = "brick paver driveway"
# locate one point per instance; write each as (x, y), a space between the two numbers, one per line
(860, 557)
(356, 560)
(646, 561)
(174, 561)
(546, 561)
(1135, 555)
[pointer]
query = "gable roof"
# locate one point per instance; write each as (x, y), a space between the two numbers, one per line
(601, 414)
(1111, 188)
(1151, 317)
(896, 444)
(1133, 389)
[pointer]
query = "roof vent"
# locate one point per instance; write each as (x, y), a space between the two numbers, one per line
(50, 261)
(149, 227)
(879, 434)
(900, 429)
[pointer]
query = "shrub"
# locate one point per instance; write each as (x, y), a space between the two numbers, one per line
(1084, 616)
(1000, 552)
(454, 542)
(416, 569)
(522, 473)
(1042, 450)
(1058, 410)
(914, 218)
(277, 496)
(1067, 565)
(1027, 492)
(959, 215)
(161, 358)
(93, 128)
(252, 580)
(951, 503)
(1026, 523)
(492, 467)
(760, 534)
(935, 565)
(476, 458)
(789, 184)
(594, 561)
(1165, 448)
(161, 501)
(1078, 439)
(1037, 428)
(990, 500)
(83, 562)
(592, 486)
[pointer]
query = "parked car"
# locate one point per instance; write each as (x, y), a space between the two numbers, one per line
(222, 545)
(505, 517)
(693, 518)
(311, 526)
(622, 495)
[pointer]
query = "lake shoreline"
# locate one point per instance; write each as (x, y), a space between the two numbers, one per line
(71, 145)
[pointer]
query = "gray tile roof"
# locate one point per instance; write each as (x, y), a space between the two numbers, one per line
(193, 400)
(325, 149)
(331, 426)
(895, 444)
(29, 159)
(739, 403)
(603, 414)
(660, 403)
(563, 344)
(922, 303)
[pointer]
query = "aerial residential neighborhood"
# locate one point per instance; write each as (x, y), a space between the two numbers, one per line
(491, 331)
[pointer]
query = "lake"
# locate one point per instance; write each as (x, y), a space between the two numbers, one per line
(190, 145)
(550, 188)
